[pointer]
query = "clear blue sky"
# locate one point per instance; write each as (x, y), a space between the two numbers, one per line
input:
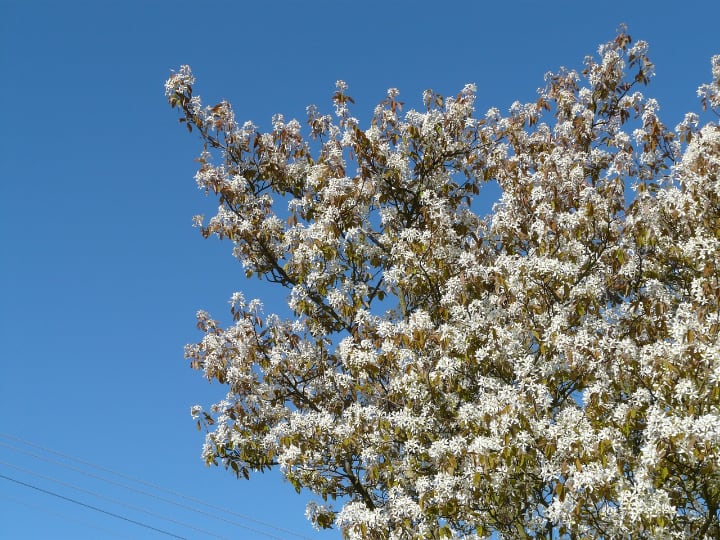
(101, 272)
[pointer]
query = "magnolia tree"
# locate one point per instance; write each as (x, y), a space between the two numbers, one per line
(549, 370)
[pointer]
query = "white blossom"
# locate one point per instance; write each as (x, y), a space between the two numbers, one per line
(549, 370)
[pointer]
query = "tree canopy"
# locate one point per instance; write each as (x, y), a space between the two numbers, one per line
(548, 370)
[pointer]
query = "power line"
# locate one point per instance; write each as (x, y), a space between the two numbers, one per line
(140, 491)
(91, 507)
(44, 510)
(153, 486)
(110, 499)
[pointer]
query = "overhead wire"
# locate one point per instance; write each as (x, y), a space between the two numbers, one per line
(154, 486)
(44, 510)
(91, 507)
(114, 501)
(144, 492)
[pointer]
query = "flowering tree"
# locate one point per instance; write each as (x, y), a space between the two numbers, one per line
(551, 370)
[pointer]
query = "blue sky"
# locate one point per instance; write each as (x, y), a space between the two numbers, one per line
(101, 272)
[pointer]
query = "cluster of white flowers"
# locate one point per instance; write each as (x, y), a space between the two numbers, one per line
(710, 93)
(179, 82)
